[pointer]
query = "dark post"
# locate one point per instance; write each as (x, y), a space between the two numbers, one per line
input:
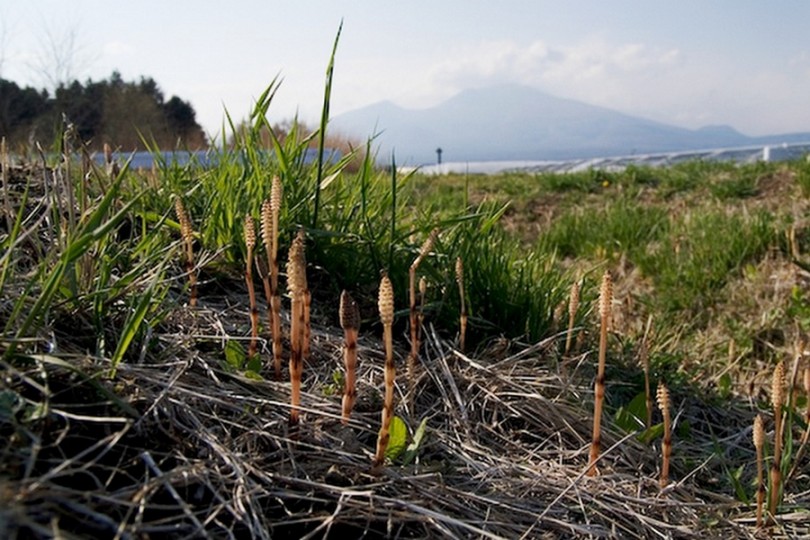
(439, 156)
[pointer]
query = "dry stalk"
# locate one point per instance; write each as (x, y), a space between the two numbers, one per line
(413, 357)
(462, 332)
(350, 322)
(573, 306)
(777, 400)
(270, 217)
(759, 444)
(250, 243)
(666, 445)
(386, 307)
(605, 301)
(187, 233)
(296, 282)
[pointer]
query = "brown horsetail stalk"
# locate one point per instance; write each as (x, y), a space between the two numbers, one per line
(662, 396)
(462, 329)
(759, 444)
(270, 216)
(350, 322)
(573, 306)
(413, 357)
(386, 306)
(187, 234)
(777, 400)
(250, 244)
(307, 325)
(605, 300)
(296, 282)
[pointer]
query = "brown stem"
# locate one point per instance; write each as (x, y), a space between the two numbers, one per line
(462, 331)
(250, 243)
(778, 399)
(350, 322)
(307, 326)
(270, 216)
(296, 282)
(666, 444)
(759, 443)
(296, 359)
(605, 300)
(386, 306)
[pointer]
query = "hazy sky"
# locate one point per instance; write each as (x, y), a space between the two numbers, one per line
(688, 62)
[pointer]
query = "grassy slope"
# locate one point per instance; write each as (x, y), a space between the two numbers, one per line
(184, 437)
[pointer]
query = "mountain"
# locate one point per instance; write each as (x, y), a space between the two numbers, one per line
(512, 122)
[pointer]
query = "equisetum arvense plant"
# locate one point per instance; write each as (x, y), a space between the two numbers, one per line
(350, 322)
(662, 396)
(187, 234)
(462, 329)
(777, 400)
(385, 304)
(413, 319)
(759, 445)
(297, 284)
(270, 218)
(250, 244)
(605, 301)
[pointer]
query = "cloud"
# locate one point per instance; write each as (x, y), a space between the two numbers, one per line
(117, 48)
(541, 65)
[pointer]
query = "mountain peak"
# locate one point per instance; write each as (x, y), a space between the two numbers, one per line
(517, 122)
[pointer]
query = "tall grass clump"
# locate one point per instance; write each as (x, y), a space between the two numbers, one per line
(624, 226)
(702, 253)
(89, 267)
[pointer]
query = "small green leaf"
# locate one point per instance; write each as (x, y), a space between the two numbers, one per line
(631, 416)
(651, 434)
(413, 448)
(234, 355)
(397, 438)
(253, 375)
(255, 364)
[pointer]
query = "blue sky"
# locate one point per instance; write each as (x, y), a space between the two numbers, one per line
(689, 63)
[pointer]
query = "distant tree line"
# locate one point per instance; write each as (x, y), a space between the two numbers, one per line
(109, 111)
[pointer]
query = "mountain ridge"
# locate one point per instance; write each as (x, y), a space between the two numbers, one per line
(516, 122)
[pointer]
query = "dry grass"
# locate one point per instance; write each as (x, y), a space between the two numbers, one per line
(199, 452)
